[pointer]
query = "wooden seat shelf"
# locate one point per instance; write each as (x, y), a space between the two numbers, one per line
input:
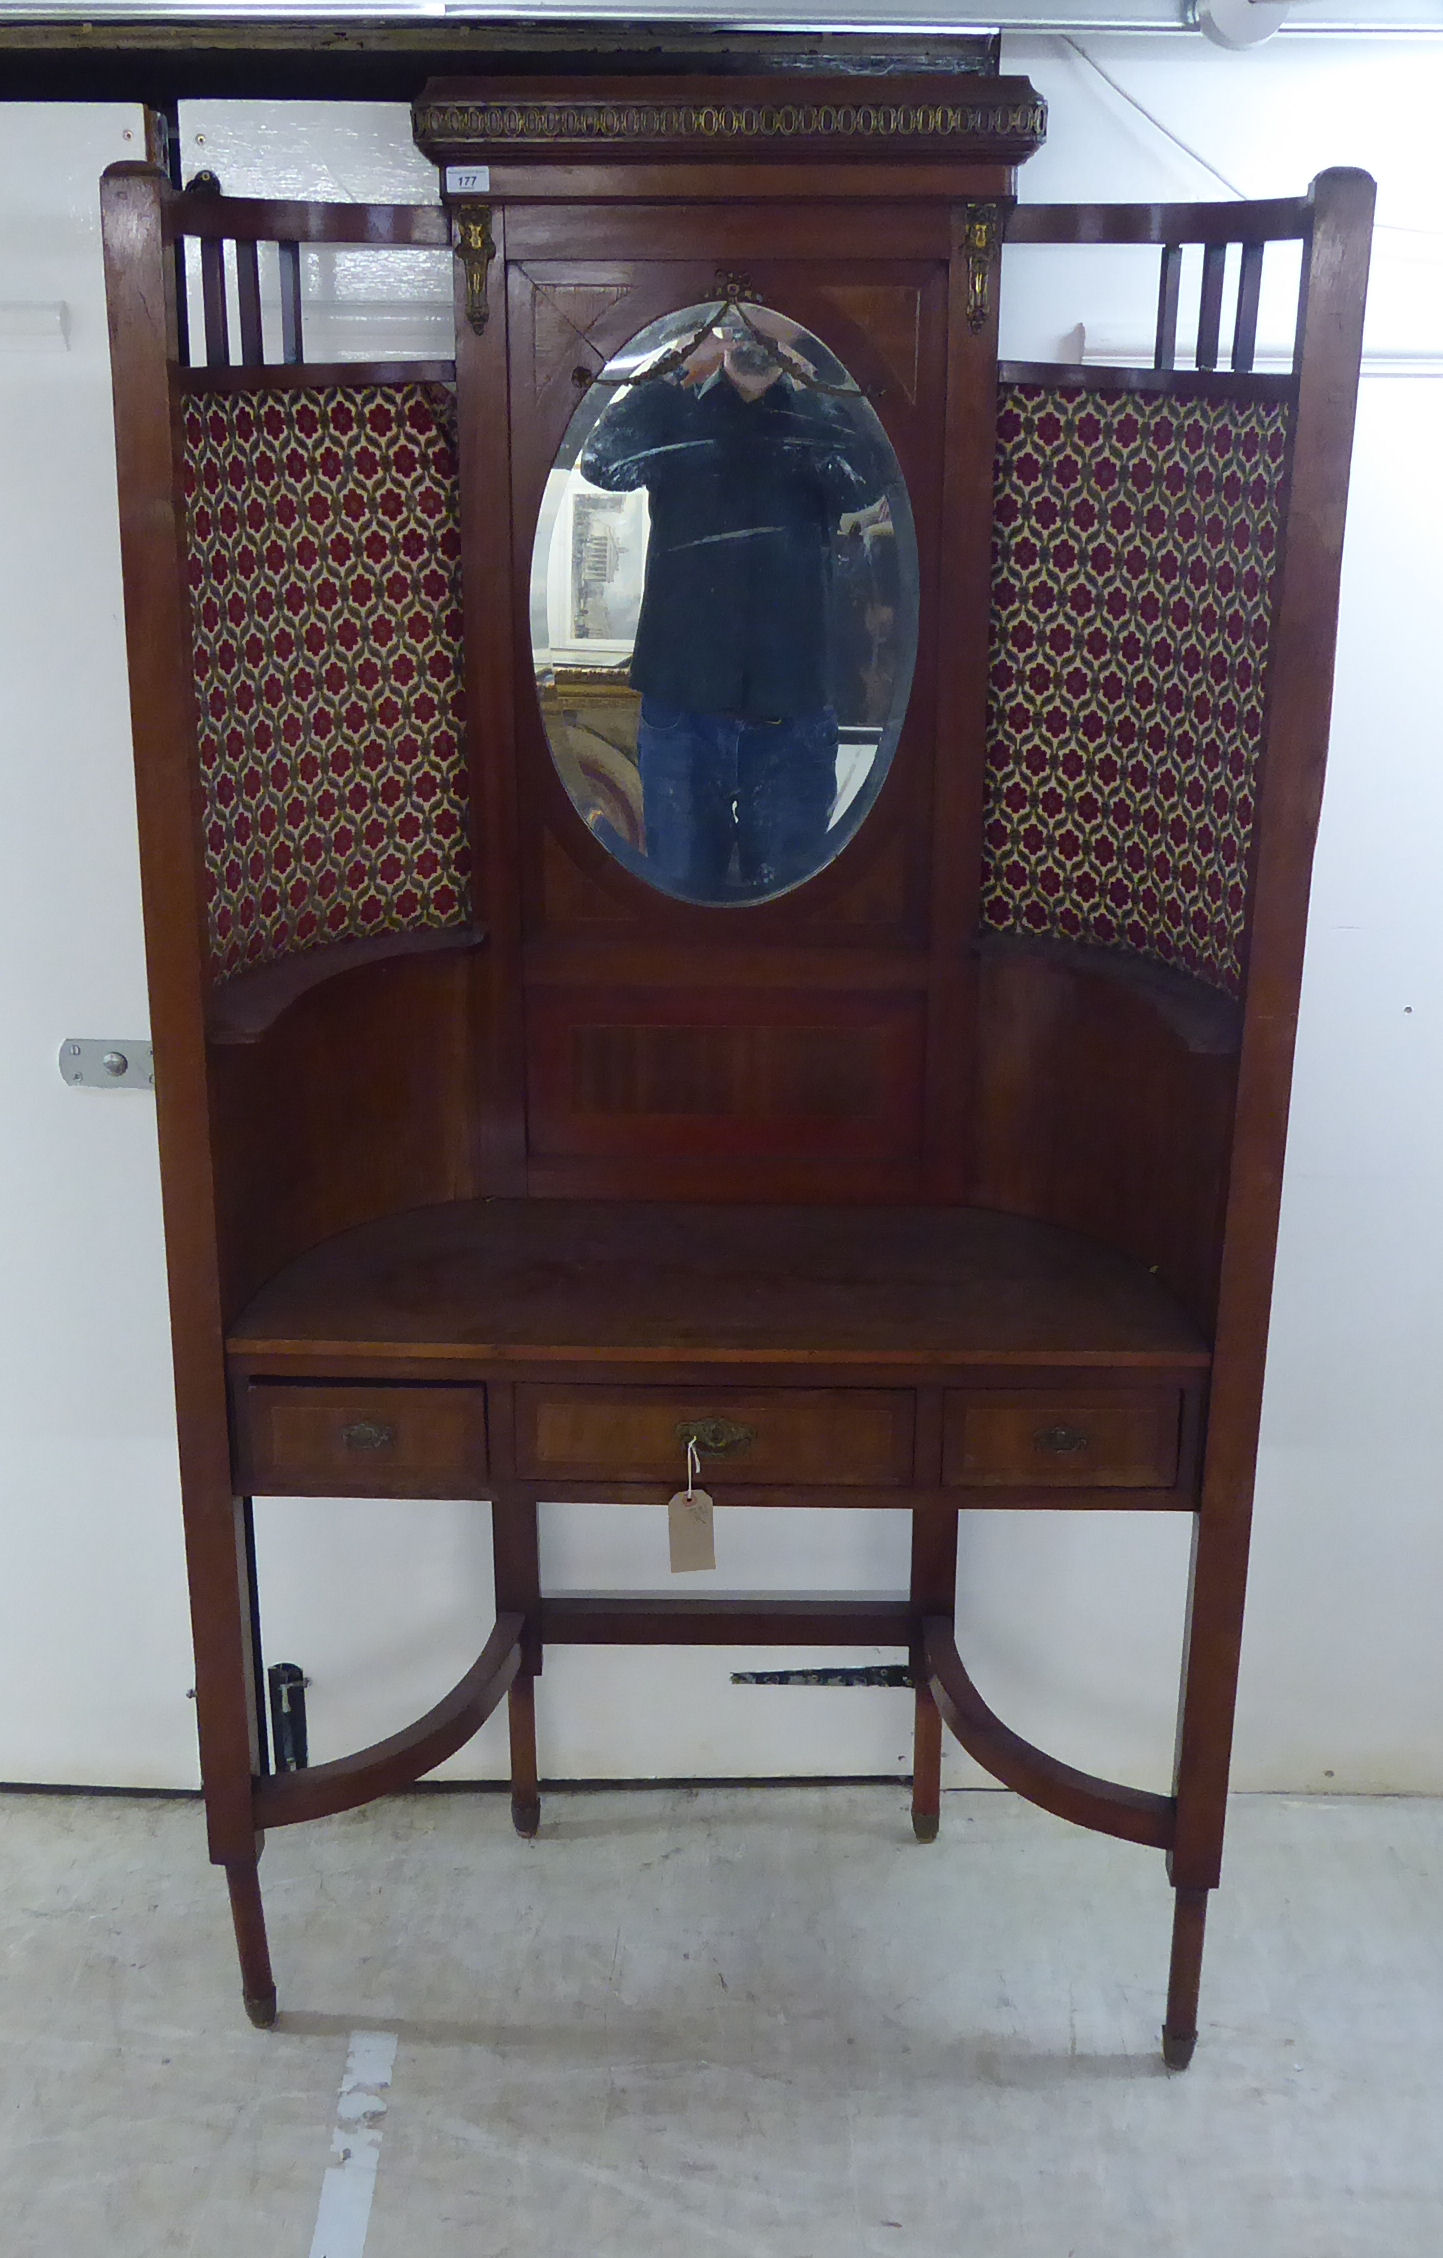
(1054, 1370)
(503, 1164)
(618, 1283)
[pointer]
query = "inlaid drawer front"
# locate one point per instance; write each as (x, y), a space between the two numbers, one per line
(853, 1438)
(1094, 1439)
(298, 1439)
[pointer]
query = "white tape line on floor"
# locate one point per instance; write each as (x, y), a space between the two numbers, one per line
(344, 2212)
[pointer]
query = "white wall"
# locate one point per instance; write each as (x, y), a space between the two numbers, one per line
(94, 1641)
(1071, 1623)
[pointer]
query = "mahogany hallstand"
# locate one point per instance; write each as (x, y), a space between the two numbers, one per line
(947, 1180)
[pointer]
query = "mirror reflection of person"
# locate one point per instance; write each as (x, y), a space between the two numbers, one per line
(748, 471)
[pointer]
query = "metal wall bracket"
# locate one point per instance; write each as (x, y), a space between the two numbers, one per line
(107, 1063)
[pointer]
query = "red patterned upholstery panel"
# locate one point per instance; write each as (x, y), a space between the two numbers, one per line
(327, 637)
(1131, 612)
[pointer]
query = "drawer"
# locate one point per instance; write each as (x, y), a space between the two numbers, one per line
(299, 1439)
(1073, 1439)
(851, 1438)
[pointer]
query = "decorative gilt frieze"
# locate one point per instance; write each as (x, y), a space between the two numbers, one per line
(458, 125)
(475, 247)
(984, 242)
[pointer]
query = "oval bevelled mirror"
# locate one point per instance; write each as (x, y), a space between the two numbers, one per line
(724, 604)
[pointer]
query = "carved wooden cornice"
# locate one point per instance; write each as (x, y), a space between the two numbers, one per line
(1003, 120)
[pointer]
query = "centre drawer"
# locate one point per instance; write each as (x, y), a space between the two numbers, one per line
(849, 1438)
(1070, 1438)
(308, 1439)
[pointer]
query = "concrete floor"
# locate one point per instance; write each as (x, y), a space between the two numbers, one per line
(752, 2023)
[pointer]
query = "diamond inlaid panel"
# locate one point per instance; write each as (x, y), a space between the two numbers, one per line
(1134, 549)
(326, 626)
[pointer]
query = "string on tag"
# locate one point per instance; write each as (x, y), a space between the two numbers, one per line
(689, 1519)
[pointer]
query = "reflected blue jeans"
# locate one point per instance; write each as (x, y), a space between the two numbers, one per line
(730, 803)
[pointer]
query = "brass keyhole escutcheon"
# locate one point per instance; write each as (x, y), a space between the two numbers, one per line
(715, 1438)
(367, 1434)
(1061, 1441)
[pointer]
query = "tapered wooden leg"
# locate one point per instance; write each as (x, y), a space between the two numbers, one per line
(228, 1679)
(1179, 2032)
(525, 1786)
(518, 1591)
(258, 1987)
(926, 1766)
(1205, 1729)
(933, 1592)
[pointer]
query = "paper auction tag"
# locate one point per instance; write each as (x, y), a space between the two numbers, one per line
(689, 1525)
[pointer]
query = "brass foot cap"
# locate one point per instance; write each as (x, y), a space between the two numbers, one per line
(1177, 2047)
(526, 1818)
(262, 2009)
(925, 1825)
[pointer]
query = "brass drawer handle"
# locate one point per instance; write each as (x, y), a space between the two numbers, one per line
(368, 1434)
(1061, 1441)
(715, 1438)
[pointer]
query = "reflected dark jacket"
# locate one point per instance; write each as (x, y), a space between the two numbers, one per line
(744, 499)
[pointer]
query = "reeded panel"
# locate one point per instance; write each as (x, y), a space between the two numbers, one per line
(832, 1076)
(723, 605)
